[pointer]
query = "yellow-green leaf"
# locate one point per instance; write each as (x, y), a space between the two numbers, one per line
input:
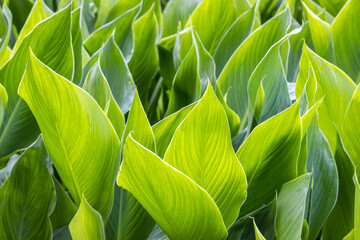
(165, 192)
(201, 149)
(78, 135)
(87, 223)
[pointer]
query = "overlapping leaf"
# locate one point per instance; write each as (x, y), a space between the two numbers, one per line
(78, 156)
(28, 197)
(273, 162)
(165, 192)
(201, 149)
(19, 126)
(87, 223)
(234, 78)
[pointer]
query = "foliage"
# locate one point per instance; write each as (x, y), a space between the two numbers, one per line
(179, 119)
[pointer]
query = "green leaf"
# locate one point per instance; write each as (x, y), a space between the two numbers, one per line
(157, 234)
(103, 11)
(331, 84)
(78, 156)
(205, 127)
(76, 39)
(121, 26)
(296, 44)
(62, 234)
(177, 11)
(233, 38)
(144, 60)
(128, 219)
(64, 209)
(319, 11)
(347, 52)
(332, 6)
(3, 103)
(38, 13)
(258, 235)
(341, 220)
(264, 218)
(87, 223)
(321, 35)
(6, 23)
(274, 162)
(20, 9)
(186, 84)
(6, 169)
(211, 20)
(97, 86)
(325, 182)
(51, 42)
(164, 130)
(27, 197)
(291, 208)
(357, 205)
(117, 73)
(147, 177)
(271, 75)
(349, 133)
(234, 78)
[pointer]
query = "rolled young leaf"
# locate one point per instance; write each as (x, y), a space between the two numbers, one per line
(165, 192)
(82, 143)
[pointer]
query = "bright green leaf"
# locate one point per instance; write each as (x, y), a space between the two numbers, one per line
(78, 156)
(87, 223)
(346, 36)
(148, 178)
(204, 128)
